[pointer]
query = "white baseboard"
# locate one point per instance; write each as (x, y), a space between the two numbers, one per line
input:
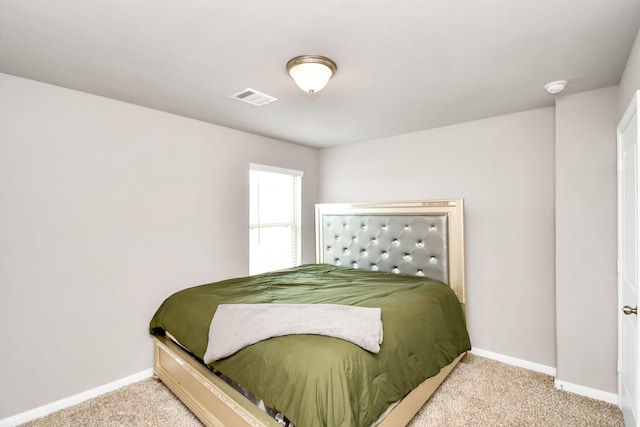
(605, 396)
(81, 397)
(549, 370)
(560, 385)
(73, 400)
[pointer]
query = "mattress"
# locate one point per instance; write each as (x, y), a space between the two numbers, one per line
(317, 380)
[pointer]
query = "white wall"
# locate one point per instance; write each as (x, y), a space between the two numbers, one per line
(630, 81)
(107, 208)
(504, 169)
(586, 251)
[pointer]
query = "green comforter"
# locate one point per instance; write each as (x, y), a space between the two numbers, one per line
(321, 381)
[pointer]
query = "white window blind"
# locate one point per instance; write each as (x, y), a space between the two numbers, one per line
(274, 218)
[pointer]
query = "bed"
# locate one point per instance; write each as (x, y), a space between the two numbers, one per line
(405, 260)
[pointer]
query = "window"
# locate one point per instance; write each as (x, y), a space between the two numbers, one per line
(274, 218)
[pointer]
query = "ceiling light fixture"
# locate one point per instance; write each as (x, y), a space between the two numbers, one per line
(555, 87)
(311, 72)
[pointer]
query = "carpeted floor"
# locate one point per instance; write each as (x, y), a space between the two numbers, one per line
(480, 392)
(484, 392)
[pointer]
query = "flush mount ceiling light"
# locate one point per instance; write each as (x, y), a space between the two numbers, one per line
(555, 87)
(311, 72)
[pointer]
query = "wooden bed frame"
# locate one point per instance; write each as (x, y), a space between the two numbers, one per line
(216, 403)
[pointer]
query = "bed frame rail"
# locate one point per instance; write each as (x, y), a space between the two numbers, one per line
(217, 404)
(213, 401)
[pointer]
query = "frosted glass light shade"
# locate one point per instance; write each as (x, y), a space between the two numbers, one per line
(311, 72)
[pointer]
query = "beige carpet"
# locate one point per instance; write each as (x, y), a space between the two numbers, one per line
(481, 392)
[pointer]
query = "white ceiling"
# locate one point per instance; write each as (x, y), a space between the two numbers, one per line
(403, 66)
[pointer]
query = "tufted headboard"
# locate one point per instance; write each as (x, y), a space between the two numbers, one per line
(424, 238)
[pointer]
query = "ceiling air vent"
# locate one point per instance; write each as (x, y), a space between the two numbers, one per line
(253, 97)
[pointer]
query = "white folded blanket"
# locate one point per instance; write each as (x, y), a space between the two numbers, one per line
(235, 326)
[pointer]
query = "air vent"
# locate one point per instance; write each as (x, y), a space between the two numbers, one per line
(253, 97)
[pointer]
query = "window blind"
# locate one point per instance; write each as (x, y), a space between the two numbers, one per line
(274, 218)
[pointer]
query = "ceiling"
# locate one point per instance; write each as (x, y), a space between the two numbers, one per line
(403, 66)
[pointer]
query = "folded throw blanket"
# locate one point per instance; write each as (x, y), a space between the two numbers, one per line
(235, 326)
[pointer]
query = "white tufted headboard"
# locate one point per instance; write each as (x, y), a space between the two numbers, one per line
(424, 238)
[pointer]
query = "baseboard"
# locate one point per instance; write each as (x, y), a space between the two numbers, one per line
(81, 397)
(560, 385)
(549, 370)
(73, 400)
(587, 391)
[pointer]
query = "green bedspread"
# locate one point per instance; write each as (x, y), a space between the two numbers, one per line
(321, 381)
